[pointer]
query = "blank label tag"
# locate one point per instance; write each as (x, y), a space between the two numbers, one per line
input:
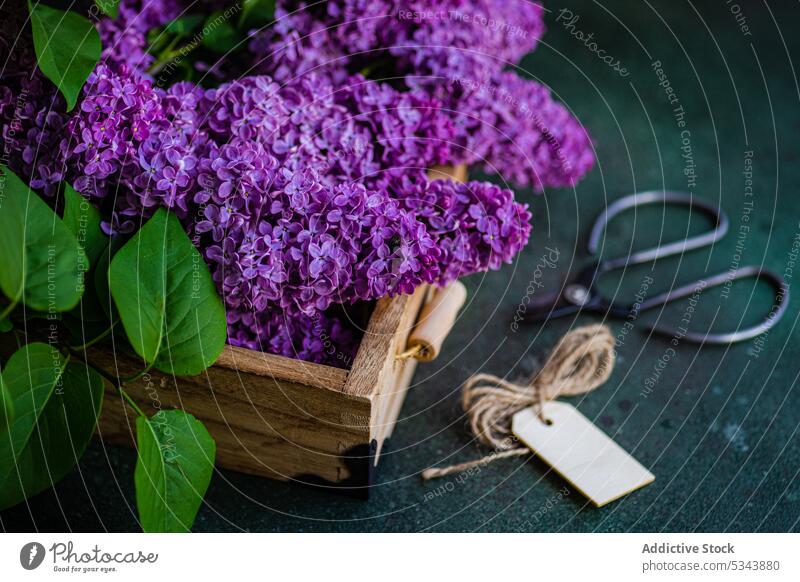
(579, 451)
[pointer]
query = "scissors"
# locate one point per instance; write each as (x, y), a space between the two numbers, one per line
(582, 295)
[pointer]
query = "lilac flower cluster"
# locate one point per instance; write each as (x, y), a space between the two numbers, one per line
(319, 338)
(31, 113)
(477, 225)
(306, 190)
(521, 133)
(455, 51)
(118, 114)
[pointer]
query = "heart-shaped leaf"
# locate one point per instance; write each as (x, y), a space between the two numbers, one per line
(67, 48)
(100, 276)
(84, 331)
(185, 24)
(6, 408)
(108, 7)
(221, 36)
(257, 13)
(176, 460)
(56, 406)
(83, 221)
(41, 262)
(166, 299)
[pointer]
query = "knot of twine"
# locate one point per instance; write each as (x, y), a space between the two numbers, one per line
(581, 361)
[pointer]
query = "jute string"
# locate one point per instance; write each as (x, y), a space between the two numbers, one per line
(581, 361)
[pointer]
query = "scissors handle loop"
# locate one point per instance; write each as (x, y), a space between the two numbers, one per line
(779, 307)
(674, 248)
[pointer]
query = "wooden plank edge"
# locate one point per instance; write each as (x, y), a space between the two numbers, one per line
(379, 346)
(259, 363)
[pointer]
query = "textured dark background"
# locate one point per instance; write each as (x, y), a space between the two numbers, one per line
(720, 428)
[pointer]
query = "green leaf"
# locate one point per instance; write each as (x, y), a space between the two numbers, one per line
(257, 13)
(6, 409)
(100, 276)
(157, 39)
(101, 287)
(56, 405)
(83, 220)
(185, 24)
(176, 460)
(220, 35)
(89, 309)
(108, 7)
(41, 262)
(67, 48)
(82, 331)
(166, 299)
(5, 325)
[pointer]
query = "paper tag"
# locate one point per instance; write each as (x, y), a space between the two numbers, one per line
(579, 451)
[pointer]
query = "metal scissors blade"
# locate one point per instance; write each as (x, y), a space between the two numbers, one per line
(581, 295)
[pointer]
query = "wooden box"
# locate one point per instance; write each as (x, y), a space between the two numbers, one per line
(292, 420)
(283, 418)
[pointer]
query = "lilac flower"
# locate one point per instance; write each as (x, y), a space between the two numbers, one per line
(124, 38)
(117, 116)
(31, 112)
(521, 132)
(477, 225)
(306, 189)
(453, 53)
(319, 338)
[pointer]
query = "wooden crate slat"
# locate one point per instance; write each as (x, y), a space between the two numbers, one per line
(263, 364)
(385, 337)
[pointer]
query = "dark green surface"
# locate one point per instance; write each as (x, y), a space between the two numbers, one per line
(720, 428)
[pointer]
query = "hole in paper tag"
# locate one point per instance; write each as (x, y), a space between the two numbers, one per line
(580, 452)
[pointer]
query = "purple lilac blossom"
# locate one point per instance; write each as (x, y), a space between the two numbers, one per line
(318, 338)
(455, 51)
(31, 112)
(124, 38)
(286, 191)
(302, 193)
(477, 225)
(522, 133)
(117, 115)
